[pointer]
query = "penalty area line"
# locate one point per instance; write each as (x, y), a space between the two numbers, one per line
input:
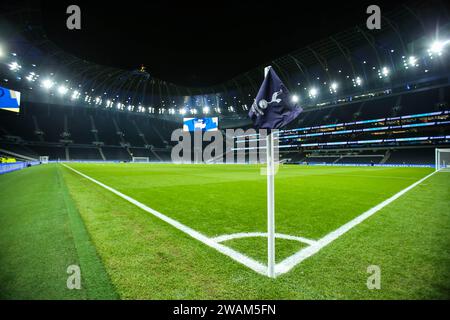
(290, 262)
(236, 256)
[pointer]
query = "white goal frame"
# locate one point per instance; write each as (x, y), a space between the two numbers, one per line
(43, 159)
(439, 163)
(140, 159)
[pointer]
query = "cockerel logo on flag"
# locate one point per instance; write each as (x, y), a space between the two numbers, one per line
(273, 108)
(9, 100)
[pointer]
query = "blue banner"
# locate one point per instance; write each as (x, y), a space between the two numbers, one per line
(200, 124)
(9, 100)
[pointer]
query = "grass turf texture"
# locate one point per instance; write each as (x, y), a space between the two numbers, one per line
(146, 258)
(41, 235)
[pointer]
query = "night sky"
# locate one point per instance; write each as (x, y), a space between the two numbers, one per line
(198, 43)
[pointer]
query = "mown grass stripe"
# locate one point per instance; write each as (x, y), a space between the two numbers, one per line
(94, 276)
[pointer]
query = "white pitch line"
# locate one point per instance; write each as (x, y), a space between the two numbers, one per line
(227, 237)
(236, 256)
(290, 262)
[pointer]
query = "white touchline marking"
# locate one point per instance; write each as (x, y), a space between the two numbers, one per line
(239, 257)
(290, 262)
(227, 237)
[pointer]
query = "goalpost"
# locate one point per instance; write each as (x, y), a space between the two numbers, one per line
(442, 160)
(43, 159)
(141, 159)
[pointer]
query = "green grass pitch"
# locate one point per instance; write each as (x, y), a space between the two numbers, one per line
(52, 217)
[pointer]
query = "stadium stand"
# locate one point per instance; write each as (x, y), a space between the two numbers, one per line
(63, 134)
(116, 118)
(85, 136)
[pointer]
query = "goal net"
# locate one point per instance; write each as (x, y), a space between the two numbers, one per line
(442, 159)
(43, 159)
(140, 159)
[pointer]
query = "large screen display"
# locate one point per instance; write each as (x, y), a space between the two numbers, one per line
(200, 124)
(9, 100)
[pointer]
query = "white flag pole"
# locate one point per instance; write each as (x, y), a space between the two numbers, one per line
(270, 202)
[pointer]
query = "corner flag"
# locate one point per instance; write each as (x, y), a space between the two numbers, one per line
(273, 108)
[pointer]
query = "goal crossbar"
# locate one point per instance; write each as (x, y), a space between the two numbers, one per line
(140, 159)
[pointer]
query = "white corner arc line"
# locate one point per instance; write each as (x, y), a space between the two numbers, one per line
(226, 237)
(290, 262)
(236, 256)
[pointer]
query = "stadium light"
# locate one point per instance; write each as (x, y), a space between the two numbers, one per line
(62, 90)
(412, 61)
(205, 110)
(75, 95)
(2, 52)
(47, 84)
(182, 111)
(357, 82)
(313, 92)
(14, 66)
(32, 77)
(384, 72)
(437, 47)
(333, 87)
(295, 98)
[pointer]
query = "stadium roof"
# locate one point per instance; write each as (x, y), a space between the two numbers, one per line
(343, 59)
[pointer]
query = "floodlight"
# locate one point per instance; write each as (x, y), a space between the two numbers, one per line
(62, 90)
(32, 77)
(14, 66)
(412, 61)
(313, 92)
(205, 110)
(47, 84)
(295, 98)
(437, 47)
(2, 53)
(182, 111)
(384, 72)
(75, 95)
(357, 82)
(333, 87)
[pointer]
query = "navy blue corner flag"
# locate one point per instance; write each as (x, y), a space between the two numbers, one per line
(273, 107)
